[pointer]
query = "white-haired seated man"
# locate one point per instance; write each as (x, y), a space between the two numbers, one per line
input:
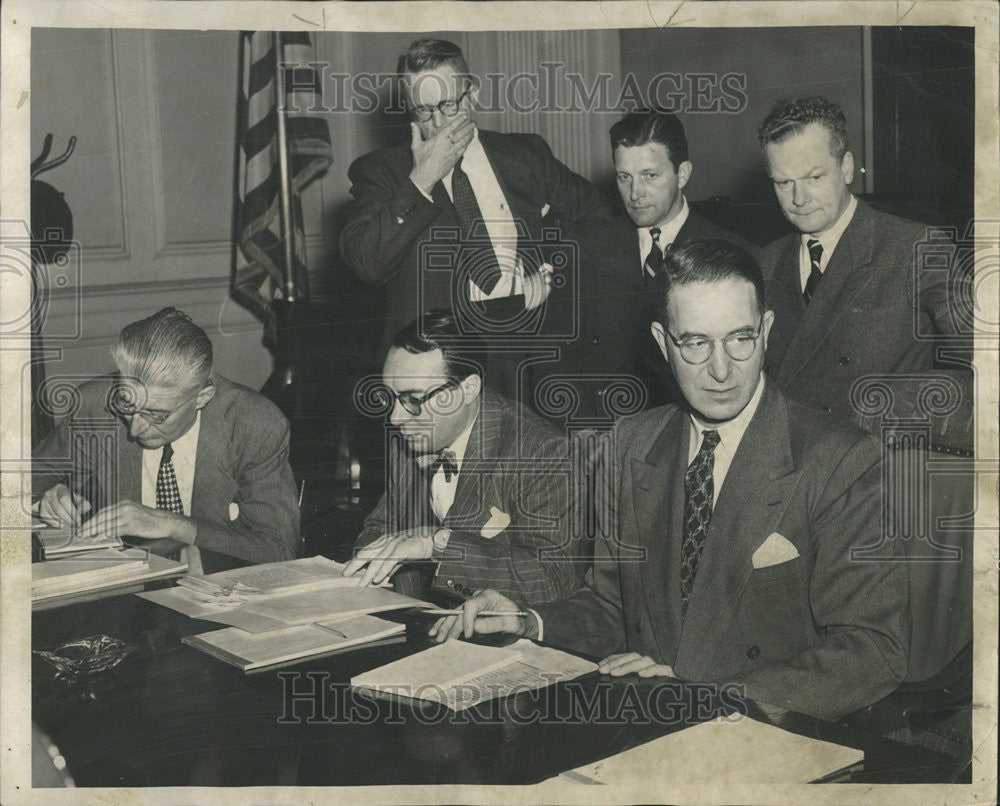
(167, 448)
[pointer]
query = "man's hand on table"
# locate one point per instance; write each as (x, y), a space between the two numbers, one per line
(471, 623)
(129, 519)
(634, 663)
(385, 555)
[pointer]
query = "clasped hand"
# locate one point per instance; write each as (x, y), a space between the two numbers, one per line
(61, 507)
(385, 555)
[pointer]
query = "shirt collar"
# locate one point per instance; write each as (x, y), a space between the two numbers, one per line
(458, 447)
(186, 445)
(831, 237)
(731, 432)
(670, 228)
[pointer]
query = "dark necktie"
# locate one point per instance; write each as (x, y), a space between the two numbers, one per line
(699, 491)
(653, 263)
(480, 263)
(168, 495)
(815, 272)
(432, 461)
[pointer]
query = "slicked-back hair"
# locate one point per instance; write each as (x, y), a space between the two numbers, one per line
(790, 116)
(428, 54)
(165, 349)
(464, 353)
(706, 261)
(652, 126)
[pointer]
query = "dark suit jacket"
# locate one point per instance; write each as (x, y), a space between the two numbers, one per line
(820, 633)
(613, 360)
(389, 224)
(242, 458)
(515, 464)
(876, 312)
(886, 293)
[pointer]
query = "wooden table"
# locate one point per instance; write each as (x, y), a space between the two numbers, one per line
(170, 715)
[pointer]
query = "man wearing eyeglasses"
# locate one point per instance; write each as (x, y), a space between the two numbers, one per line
(728, 553)
(477, 486)
(168, 448)
(485, 196)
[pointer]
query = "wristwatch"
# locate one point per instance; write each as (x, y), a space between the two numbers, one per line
(441, 538)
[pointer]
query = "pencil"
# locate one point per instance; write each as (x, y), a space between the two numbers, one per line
(459, 611)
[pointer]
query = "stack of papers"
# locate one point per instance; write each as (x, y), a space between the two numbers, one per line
(63, 542)
(249, 651)
(459, 674)
(85, 571)
(727, 750)
(270, 597)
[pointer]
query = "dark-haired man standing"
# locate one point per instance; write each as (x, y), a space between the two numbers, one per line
(862, 300)
(168, 448)
(477, 485)
(652, 167)
(727, 553)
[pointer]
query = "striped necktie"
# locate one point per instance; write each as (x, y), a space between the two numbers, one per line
(653, 263)
(815, 272)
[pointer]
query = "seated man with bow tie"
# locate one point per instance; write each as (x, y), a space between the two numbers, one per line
(477, 485)
(168, 448)
(729, 548)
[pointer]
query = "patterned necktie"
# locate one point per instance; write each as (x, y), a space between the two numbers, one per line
(446, 460)
(699, 491)
(654, 260)
(482, 266)
(815, 272)
(168, 494)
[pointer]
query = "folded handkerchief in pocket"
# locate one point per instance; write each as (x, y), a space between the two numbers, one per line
(776, 549)
(499, 520)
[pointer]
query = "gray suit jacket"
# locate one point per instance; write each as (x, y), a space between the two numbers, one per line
(886, 301)
(821, 633)
(242, 459)
(515, 464)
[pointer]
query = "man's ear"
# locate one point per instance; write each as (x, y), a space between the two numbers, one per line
(472, 387)
(847, 167)
(684, 173)
(661, 339)
(204, 396)
(765, 329)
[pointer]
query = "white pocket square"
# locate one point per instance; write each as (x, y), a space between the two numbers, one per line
(545, 210)
(234, 511)
(499, 520)
(776, 549)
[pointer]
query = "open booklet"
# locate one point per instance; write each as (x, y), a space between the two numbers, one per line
(459, 674)
(249, 651)
(735, 749)
(278, 595)
(64, 542)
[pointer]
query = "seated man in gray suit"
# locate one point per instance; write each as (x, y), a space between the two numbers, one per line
(167, 448)
(477, 485)
(728, 553)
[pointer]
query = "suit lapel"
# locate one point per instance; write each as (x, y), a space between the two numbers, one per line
(214, 486)
(478, 463)
(658, 511)
(785, 299)
(845, 278)
(757, 488)
(129, 471)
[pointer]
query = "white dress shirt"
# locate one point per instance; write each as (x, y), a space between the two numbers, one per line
(668, 232)
(828, 240)
(497, 217)
(443, 491)
(730, 435)
(184, 458)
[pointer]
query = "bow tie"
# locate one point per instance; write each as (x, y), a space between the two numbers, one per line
(432, 461)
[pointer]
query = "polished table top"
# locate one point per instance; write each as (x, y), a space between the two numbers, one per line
(170, 715)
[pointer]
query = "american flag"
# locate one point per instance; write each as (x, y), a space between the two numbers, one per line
(258, 276)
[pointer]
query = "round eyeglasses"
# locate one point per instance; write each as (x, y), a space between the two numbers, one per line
(739, 346)
(412, 403)
(448, 108)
